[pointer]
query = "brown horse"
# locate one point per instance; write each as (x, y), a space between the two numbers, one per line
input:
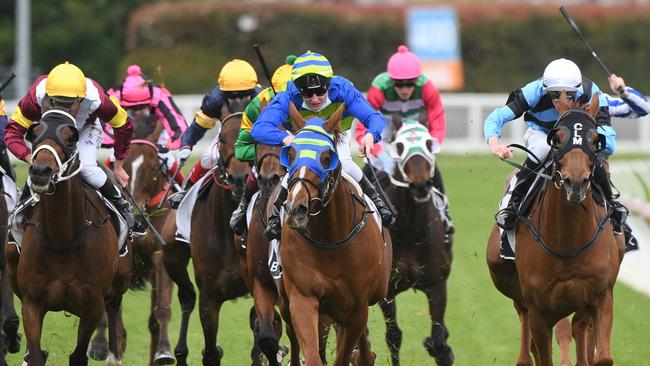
(69, 258)
(214, 254)
(267, 324)
(567, 256)
(422, 254)
(336, 258)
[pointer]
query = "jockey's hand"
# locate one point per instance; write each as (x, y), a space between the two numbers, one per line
(365, 145)
(288, 140)
(617, 84)
(501, 151)
(120, 174)
(28, 159)
(183, 154)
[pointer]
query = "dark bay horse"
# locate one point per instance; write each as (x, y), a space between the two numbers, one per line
(69, 259)
(267, 323)
(149, 182)
(214, 253)
(336, 258)
(567, 256)
(422, 254)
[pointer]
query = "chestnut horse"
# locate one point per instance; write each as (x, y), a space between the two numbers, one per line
(267, 325)
(214, 253)
(567, 256)
(336, 257)
(69, 257)
(422, 254)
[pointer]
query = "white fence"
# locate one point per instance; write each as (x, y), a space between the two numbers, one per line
(465, 115)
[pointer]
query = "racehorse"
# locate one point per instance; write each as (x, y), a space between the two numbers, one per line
(214, 253)
(69, 257)
(567, 256)
(149, 181)
(336, 258)
(422, 253)
(267, 325)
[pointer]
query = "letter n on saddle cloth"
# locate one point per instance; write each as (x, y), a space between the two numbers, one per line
(579, 137)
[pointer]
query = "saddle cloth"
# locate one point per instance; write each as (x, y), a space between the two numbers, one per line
(185, 208)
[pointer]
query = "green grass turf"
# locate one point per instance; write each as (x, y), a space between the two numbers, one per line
(483, 324)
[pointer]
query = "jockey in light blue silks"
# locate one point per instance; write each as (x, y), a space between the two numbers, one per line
(315, 91)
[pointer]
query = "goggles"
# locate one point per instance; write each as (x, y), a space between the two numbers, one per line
(237, 94)
(308, 93)
(404, 83)
(555, 95)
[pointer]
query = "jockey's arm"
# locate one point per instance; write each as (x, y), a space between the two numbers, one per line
(204, 119)
(3, 123)
(266, 129)
(245, 144)
(630, 104)
(436, 120)
(27, 111)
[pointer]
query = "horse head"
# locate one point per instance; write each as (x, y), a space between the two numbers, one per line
(575, 143)
(415, 152)
(147, 127)
(313, 166)
(54, 150)
(268, 167)
(232, 171)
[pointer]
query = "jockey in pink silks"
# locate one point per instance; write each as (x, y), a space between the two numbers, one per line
(140, 96)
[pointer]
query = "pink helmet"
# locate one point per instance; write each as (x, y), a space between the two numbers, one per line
(404, 65)
(135, 90)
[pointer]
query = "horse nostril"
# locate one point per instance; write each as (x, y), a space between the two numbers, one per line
(41, 170)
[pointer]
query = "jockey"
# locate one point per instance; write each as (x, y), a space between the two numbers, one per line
(404, 90)
(315, 91)
(4, 157)
(628, 104)
(245, 145)
(66, 88)
(142, 97)
(537, 101)
(237, 86)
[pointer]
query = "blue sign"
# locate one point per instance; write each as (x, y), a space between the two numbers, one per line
(433, 33)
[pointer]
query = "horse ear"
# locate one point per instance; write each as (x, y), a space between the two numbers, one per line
(397, 121)
(332, 123)
(296, 117)
(264, 103)
(423, 119)
(593, 106)
(564, 104)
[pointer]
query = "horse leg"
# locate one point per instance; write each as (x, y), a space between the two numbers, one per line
(393, 333)
(176, 258)
(11, 321)
(542, 331)
(304, 318)
(579, 327)
(33, 325)
(88, 322)
(209, 309)
(113, 313)
(267, 337)
(603, 319)
(152, 323)
(98, 348)
(525, 345)
(365, 356)
(164, 288)
(563, 336)
(436, 344)
(348, 336)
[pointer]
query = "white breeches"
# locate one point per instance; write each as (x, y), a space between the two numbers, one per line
(90, 140)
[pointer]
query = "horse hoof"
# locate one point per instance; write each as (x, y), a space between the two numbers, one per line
(163, 358)
(112, 360)
(442, 353)
(13, 336)
(97, 353)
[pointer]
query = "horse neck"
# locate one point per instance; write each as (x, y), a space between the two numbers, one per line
(340, 215)
(566, 224)
(61, 215)
(412, 217)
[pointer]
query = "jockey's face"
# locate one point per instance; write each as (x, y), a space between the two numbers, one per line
(138, 111)
(69, 105)
(404, 88)
(238, 100)
(315, 98)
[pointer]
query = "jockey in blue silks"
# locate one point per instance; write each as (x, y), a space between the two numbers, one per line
(315, 91)
(537, 101)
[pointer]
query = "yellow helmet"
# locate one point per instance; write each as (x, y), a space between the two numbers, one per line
(66, 80)
(283, 74)
(237, 75)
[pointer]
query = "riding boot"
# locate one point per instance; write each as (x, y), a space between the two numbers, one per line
(387, 217)
(238, 218)
(437, 183)
(274, 226)
(198, 171)
(507, 217)
(113, 194)
(619, 212)
(5, 164)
